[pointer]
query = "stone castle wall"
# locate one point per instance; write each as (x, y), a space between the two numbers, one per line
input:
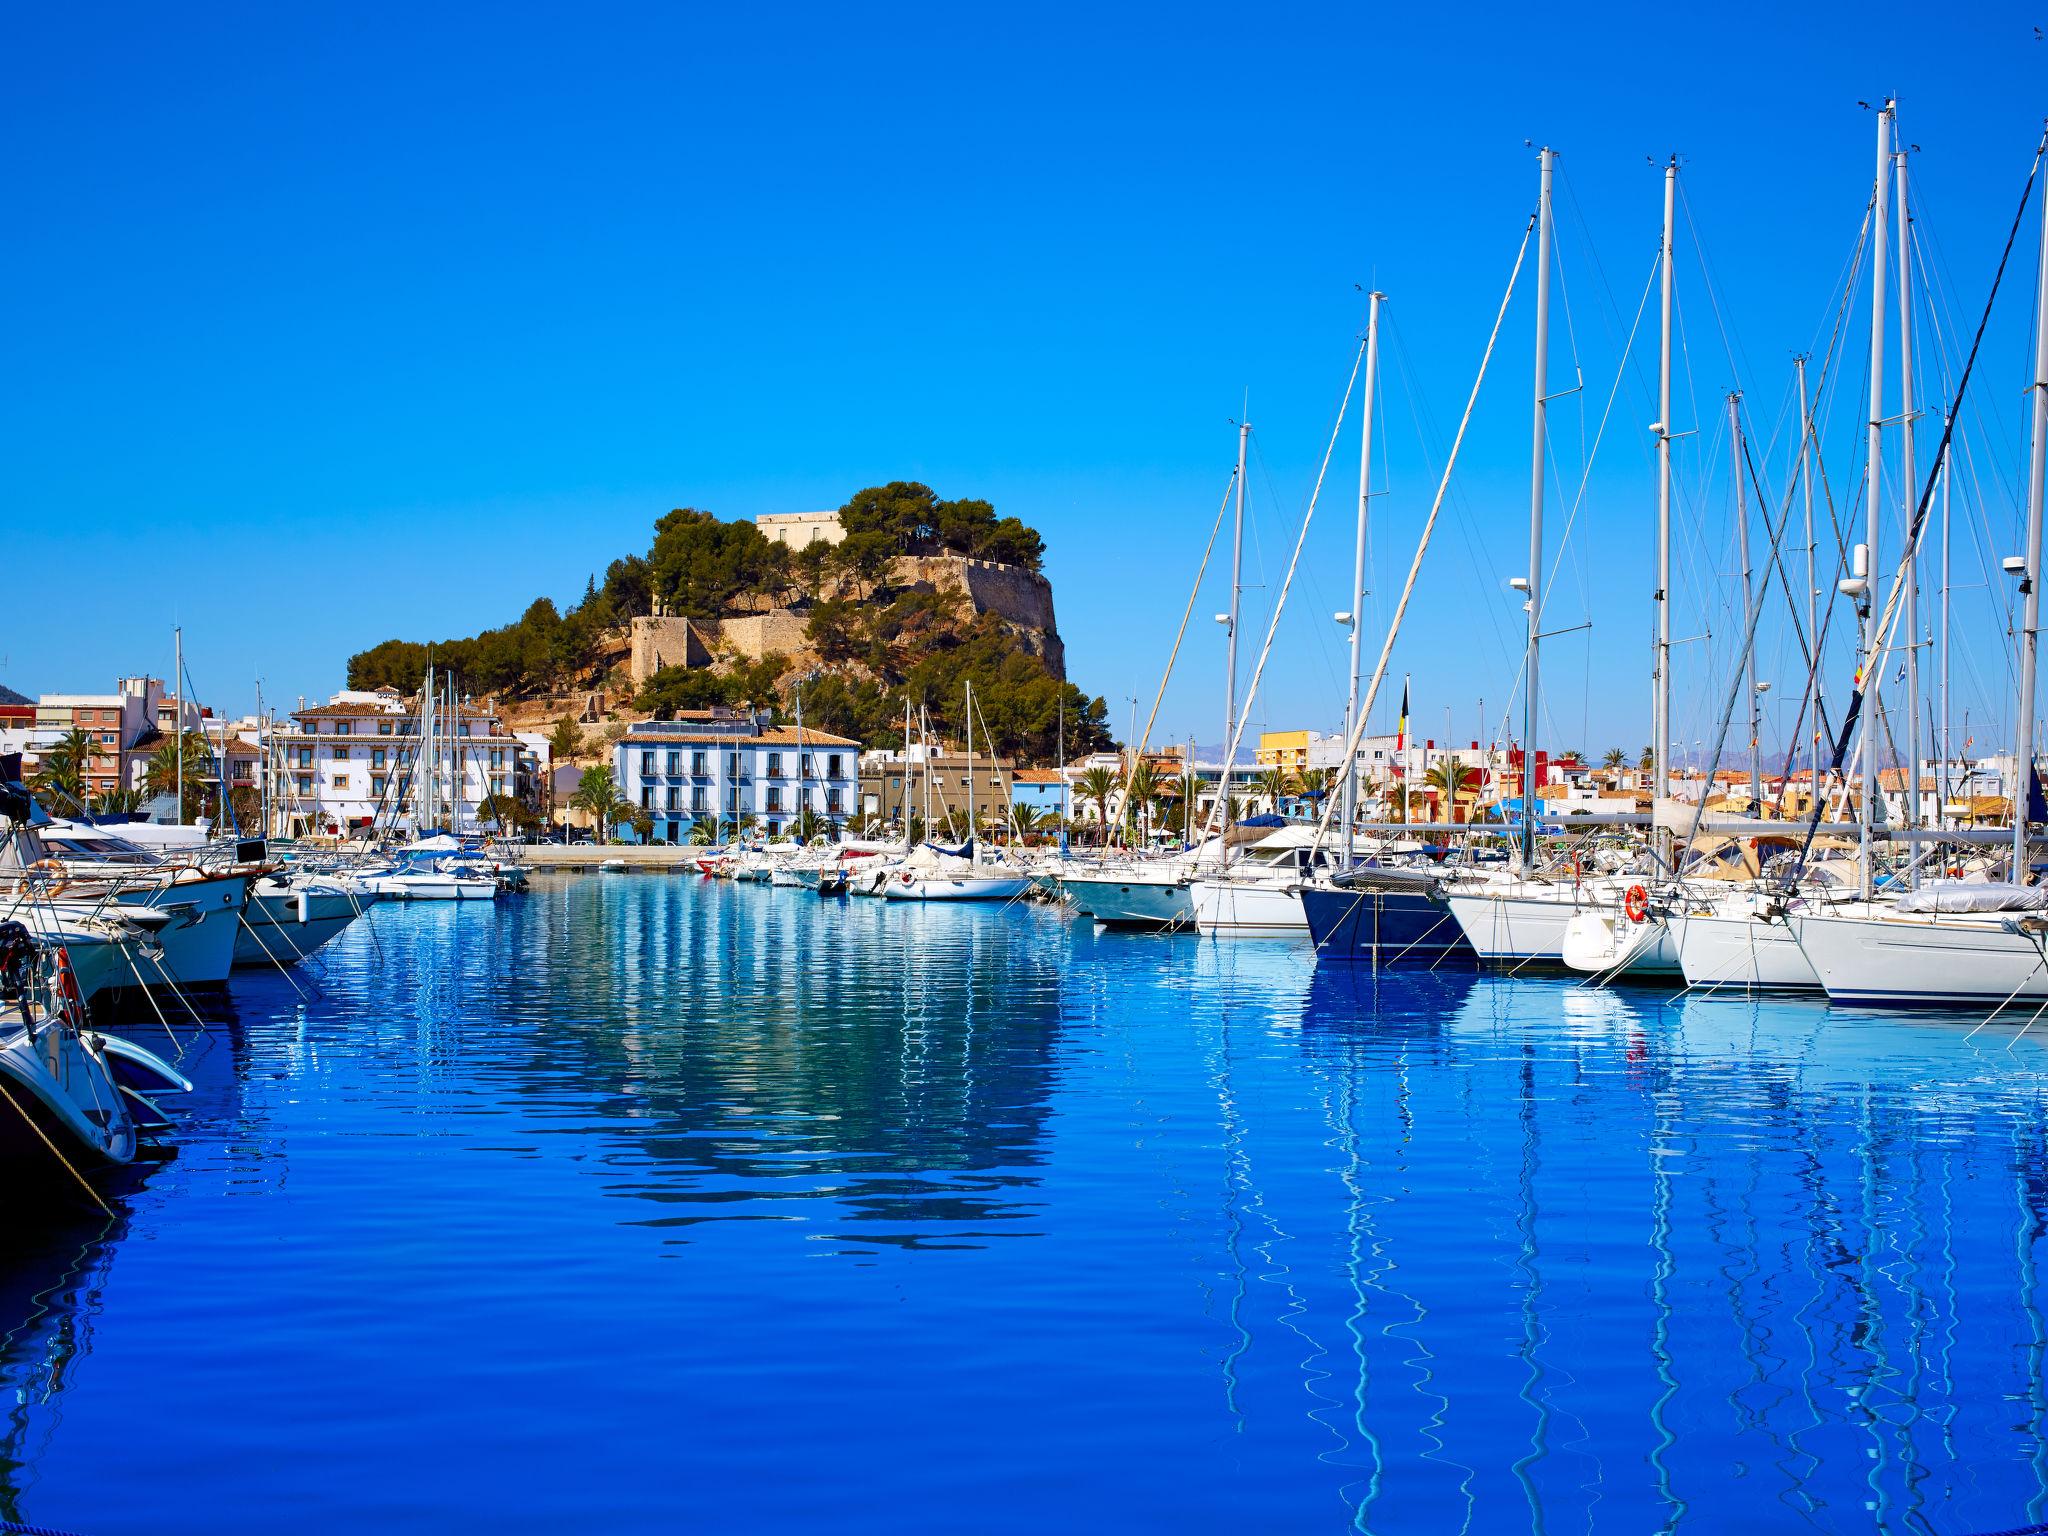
(662, 642)
(1021, 598)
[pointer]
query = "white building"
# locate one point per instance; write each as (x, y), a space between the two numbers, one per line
(719, 766)
(799, 530)
(352, 762)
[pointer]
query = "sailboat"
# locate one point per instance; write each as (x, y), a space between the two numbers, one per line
(933, 873)
(1948, 941)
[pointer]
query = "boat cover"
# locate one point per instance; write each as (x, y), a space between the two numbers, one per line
(1971, 896)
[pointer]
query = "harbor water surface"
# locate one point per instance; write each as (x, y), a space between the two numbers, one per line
(639, 1204)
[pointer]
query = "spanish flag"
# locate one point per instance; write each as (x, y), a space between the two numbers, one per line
(1401, 732)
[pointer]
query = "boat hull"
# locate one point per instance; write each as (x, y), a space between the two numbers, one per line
(1234, 909)
(1743, 951)
(1893, 963)
(284, 929)
(1132, 903)
(1383, 927)
(1607, 944)
(956, 888)
(1514, 930)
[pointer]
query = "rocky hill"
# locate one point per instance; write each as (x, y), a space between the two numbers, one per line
(914, 598)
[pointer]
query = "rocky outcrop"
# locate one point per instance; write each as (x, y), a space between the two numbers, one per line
(1021, 599)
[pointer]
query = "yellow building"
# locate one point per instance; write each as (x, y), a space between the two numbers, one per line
(1286, 749)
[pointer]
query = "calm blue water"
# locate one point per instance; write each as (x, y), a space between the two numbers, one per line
(636, 1204)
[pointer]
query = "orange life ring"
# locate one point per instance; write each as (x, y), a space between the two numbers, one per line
(69, 997)
(1636, 903)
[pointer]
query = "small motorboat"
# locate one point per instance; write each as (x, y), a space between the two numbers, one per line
(614, 866)
(74, 1097)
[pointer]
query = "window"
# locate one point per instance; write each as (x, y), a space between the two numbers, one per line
(341, 782)
(732, 765)
(344, 727)
(674, 798)
(774, 799)
(832, 800)
(339, 752)
(774, 827)
(244, 770)
(383, 727)
(675, 763)
(805, 769)
(304, 783)
(377, 786)
(497, 783)
(832, 767)
(646, 765)
(697, 800)
(497, 757)
(106, 738)
(305, 757)
(774, 765)
(698, 763)
(376, 757)
(646, 797)
(462, 729)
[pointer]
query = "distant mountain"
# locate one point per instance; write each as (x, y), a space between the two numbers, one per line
(9, 696)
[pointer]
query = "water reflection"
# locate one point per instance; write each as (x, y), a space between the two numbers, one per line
(1411, 1252)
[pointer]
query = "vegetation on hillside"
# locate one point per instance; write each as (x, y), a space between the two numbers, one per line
(877, 645)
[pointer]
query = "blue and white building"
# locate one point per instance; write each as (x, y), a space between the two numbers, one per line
(720, 766)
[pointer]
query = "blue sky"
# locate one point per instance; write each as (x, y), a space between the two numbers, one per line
(331, 325)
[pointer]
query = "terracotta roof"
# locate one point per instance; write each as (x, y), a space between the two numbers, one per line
(1039, 776)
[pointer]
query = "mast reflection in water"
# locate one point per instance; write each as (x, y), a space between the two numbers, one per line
(637, 1203)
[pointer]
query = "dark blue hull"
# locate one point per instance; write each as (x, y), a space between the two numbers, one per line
(1384, 927)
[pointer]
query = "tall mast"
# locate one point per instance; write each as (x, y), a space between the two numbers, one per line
(970, 767)
(1372, 367)
(803, 800)
(1244, 431)
(1660, 706)
(1945, 775)
(2030, 628)
(1537, 466)
(1908, 491)
(1805, 473)
(1756, 778)
(178, 711)
(1873, 474)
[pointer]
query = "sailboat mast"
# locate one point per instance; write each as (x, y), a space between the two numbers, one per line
(1873, 474)
(2030, 627)
(1805, 472)
(970, 762)
(1244, 431)
(178, 711)
(1909, 489)
(1538, 455)
(1372, 371)
(1945, 775)
(1756, 778)
(1660, 706)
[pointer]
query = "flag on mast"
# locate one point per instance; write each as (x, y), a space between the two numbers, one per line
(1401, 731)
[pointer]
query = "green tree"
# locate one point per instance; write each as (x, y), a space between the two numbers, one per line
(189, 753)
(565, 740)
(61, 771)
(1614, 759)
(1096, 786)
(598, 794)
(1449, 779)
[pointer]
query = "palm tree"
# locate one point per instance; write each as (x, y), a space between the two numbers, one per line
(1026, 819)
(63, 766)
(703, 832)
(807, 824)
(1097, 785)
(186, 756)
(1142, 790)
(1447, 778)
(118, 802)
(1274, 786)
(598, 794)
(1615, 758)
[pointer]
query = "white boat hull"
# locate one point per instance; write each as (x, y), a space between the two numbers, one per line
(955, 887)
(1743, 951)
(1867, 958)
(1245, 909)
(284, 929)
(1132, 902)
(1605, 943)
(1508, 930)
